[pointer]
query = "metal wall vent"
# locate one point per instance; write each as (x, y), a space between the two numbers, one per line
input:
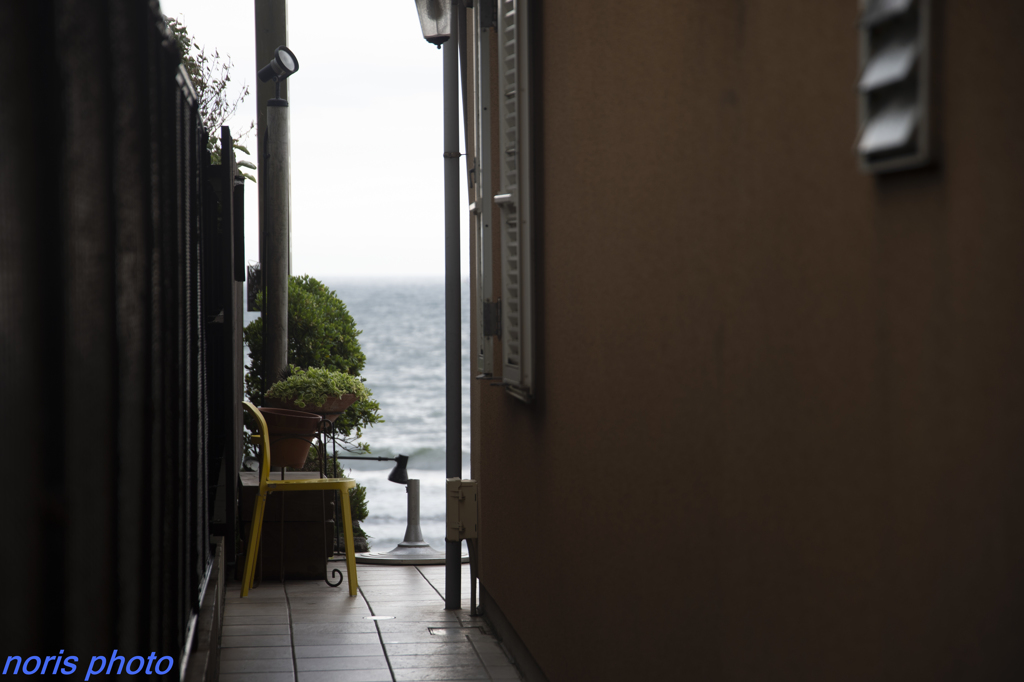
(893, 89)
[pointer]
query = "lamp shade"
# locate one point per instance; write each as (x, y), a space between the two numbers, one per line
(399, 473)
(284, 64)
(435, 19)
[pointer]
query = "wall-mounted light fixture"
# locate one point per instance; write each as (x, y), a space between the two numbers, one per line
(284, 64)
(435, 20)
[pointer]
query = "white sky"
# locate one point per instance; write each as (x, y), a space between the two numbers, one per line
(366, 129)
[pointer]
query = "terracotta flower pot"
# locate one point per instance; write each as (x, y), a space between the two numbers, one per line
(330, 410)
(291, 435)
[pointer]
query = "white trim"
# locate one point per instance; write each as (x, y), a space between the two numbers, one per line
(482, 219)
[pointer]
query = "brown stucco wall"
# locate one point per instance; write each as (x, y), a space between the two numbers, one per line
(778, 429)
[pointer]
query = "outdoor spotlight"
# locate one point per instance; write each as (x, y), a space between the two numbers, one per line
(281, 66)
(399, 474)
(435, 20)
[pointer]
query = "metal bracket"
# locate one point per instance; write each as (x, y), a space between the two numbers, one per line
(488, 12)
(462, 510)
(492, 318)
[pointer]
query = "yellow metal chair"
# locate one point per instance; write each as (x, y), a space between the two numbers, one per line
(267, 486)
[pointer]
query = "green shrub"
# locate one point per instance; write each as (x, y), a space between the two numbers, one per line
(311, 387)
(321, 334)
(357, 497)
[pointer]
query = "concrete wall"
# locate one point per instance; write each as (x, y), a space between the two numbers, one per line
(778, 429)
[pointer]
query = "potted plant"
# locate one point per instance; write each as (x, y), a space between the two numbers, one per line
(317, 389)
(291, 435)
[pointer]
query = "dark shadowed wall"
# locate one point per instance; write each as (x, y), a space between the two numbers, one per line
(778, 428)
(107, 229)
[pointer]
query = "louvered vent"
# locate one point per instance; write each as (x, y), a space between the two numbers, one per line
(894, 85)
(513, 198)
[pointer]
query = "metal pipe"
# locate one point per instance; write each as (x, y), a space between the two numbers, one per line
(271, 24)
(277, 209)
(452, 309)
(412, 525)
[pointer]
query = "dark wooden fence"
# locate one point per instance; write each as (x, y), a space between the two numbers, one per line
(120, 357)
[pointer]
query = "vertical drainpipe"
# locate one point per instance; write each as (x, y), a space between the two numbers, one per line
(452, 307)
(277, 240)
(271, 28)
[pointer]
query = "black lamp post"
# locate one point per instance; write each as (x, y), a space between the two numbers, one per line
(437, 23)
(276, 234)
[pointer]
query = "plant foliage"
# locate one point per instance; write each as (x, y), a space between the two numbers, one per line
(311, 387)
(321, 334)
(357, 497)
(210, 77)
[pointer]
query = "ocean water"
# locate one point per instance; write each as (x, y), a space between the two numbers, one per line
(402, 323)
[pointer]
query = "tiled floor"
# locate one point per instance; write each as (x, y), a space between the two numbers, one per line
(305, 631)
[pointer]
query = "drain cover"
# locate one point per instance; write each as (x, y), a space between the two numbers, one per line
(476, 630)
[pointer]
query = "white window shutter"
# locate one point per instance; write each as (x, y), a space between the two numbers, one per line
(893, 88)
(486, 305)
(514, 200)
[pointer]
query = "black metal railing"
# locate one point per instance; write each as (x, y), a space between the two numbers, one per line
(120, 325)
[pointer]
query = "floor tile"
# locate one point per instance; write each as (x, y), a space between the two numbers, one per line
(328, 639)
(258, 677)
(397, 625)
(342, 663)
(433, 660)
(257, 665)
(346, 676)
(256, 620)
(255, 640)
(334, 628)
(343, 639)
(315, 617)
(232, 602)
(336, 642)
(420, 636)
(458, 673)
(304, 651)
(330, 609)
(414, 614)
(406, 601)
(485, 643)
(254, 596)
(427, 648)
(263, 652)
(494, 659)
(236, 630)
(248, 610)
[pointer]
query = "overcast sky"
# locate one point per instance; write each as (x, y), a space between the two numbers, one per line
(367, 170)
